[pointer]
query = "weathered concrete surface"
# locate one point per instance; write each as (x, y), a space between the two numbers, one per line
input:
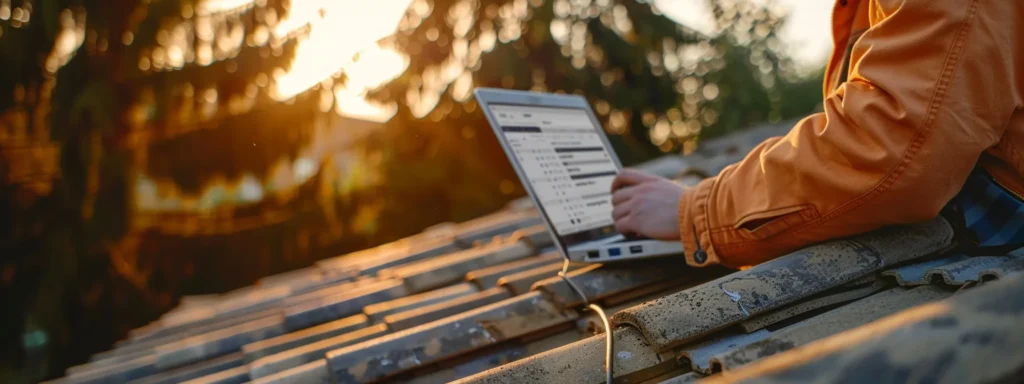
(432, 342)
(699, 355)
(205, 346)
(193, 371)
(297, 339)
(914, 274)
(341, 305)
(237, 375)
(973, 337)
(970, 270)
(830, 323)
(420, 316)
(376, 312)
(683, 317)
(579, 362)
(314, 372)
(311, 352)
(822, 301)
(600, 281)
(520, 282)
(488, 277)
(444, 270)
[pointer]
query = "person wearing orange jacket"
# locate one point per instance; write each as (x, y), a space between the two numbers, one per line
(923, 108)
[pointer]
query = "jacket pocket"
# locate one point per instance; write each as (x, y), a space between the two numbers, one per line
(762, 225)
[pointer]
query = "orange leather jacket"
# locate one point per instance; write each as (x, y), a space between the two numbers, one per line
(917, 93)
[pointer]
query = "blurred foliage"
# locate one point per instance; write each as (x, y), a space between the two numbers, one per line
(657, 86)
(91, 94)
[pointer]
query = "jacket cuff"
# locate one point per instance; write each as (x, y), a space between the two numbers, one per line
(693, 225)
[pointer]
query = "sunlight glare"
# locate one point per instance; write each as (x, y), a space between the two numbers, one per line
(345, 28)
(374, 67)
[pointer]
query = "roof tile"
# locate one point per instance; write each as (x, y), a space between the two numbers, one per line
(376, 312)
(833, 297)
(970, 270)
(488, 277)
(520, 282)
(196, 370)
(313, 372)
(112, 359)
(242, 303)
(687, 378)
(415, 252)
(311, 352)
(699, 355)
(121, 372)
(147, 345)
(490, 358)
(444, 270)
(432, 342)
(599, 281)
(418, 316)
(237, 375)
(581, 362)
(838, 320)
(682, 317)
(974, 336)
(360, 284)
(493, 225)
(913, 274)
(340, 305)
(200, 347)
(299, 338)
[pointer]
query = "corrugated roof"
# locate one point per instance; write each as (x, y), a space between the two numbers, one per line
(480, 302)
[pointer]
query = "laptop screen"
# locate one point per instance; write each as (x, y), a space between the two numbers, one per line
(569, 168)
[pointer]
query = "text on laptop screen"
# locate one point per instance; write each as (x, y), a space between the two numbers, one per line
(566, 162)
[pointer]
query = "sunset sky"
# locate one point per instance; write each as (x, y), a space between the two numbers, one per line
(349, 27)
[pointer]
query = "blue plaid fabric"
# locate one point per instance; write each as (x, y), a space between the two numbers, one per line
(994, 215)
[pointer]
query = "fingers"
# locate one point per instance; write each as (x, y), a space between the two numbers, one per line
(631, 177)
(625, 225)
(623, 195)
(620, 211)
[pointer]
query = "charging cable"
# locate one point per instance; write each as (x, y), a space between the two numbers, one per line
(609, 340)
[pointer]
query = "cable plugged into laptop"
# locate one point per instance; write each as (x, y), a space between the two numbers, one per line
(609, 340)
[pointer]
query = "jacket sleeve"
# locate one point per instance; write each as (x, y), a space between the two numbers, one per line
(927, 93)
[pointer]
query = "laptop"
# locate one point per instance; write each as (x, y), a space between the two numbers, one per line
(566, 164)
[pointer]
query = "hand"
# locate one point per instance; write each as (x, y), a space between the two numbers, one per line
(646, 205)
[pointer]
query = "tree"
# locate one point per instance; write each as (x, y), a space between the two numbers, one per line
(94, 94)
(656, 86)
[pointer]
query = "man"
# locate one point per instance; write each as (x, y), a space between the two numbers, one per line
(921, 98)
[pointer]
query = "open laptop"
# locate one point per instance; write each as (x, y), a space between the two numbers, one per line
(566, 164)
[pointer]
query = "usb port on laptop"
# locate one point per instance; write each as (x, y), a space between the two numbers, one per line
(614, 252)
(635, 249)
(593, 254)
